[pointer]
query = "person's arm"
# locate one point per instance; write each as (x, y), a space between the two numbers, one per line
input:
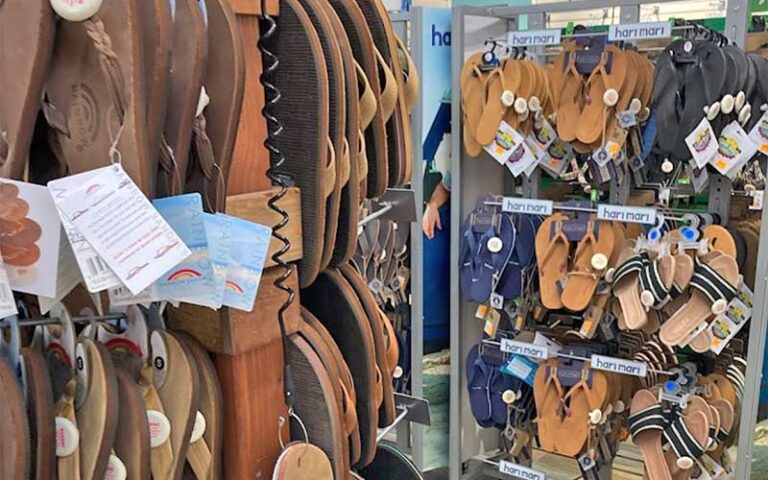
(431, 214)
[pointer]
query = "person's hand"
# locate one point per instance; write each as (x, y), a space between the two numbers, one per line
(430, 221)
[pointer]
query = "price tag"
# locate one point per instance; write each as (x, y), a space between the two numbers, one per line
(518, 471)
(702, 143)
(96, 273)
(115, 217)
(735, 148)
(248, 248)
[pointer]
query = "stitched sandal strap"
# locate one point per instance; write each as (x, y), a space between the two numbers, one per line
(650, 280)
(681, 440)
(633, 264)
(711, 284)
(652, 418)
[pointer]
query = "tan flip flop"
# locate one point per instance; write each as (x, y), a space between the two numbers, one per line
(603, 94)
(97, 412)
(190, 52)
(473, 82)
(727, 417)
(552, 248)
(157, 40)
(567, 84)
(178, 386)
(303, 461)
(589, 261)
(493, 107)
(204, 455)
(132, 445)
(548, 395)
(96, 93)
(646, 424)
(715, 282)
(14, 440)
(26, 43)
(581, 402)
(40, 413)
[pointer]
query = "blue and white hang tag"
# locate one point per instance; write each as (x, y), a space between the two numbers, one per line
(521, 367)
(192, 278)
(249, 244)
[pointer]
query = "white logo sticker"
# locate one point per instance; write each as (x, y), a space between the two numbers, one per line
(526, 349)
(531, 38)
(639, 31)
(517, 471)
(619, 365)
(644, 215)
(527, 206)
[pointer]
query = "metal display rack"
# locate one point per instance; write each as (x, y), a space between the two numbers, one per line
(410, 436)
(473, 177)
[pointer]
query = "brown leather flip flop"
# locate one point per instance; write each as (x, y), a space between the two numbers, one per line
(178, 386)
(156, 21)
(365, 54)
(132, 445)
(26, 42)
(399, 127)
(40, 414)
(303, 109)
(337, 125)
(190, 54)
(215, 130)
(96, 93)
(204, 455)
(97, 410)
(387, 412)
(303, 461)
(354, 191)
(334, 302)
(14, 441)
(315, 403)
(345, 375)
(346, 407)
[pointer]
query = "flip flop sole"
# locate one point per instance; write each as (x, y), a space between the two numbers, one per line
(14, 441)
(40, 414)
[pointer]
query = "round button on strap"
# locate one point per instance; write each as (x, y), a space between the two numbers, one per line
(495, 245)
(76, 11)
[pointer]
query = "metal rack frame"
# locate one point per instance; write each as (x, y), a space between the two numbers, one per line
(472, 177)
(411, 436)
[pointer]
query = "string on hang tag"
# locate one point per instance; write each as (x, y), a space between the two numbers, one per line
(281, 423)
(114, 154)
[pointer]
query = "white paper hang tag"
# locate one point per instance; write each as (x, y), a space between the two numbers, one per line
(7, 303)
(249, 243)
(193, 277)
(68, 276)
(122, 297)
(734, 149)
(759, 134)
(115, 217)
(30, 236)
(96, 274)
(507, 138)
(702, 143)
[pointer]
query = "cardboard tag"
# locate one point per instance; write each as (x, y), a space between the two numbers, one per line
(518, 471)
(725, 326)
(507, 139)
(699, 177)
(520, 367)
(492, 322)
(759, 134)
(734, 149)
(96, 274)
(639, 31)
(531, 350)
(644, 215)
(558, 156)
(7, 303)
(619, 365)
(544, 134)
(482, 311)
(757, 200)
(531, 38)
(702, 143)
(192, 279)
(248, 246)
(115, 217)
(68, 276)
(527, 206)
(31, 233)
